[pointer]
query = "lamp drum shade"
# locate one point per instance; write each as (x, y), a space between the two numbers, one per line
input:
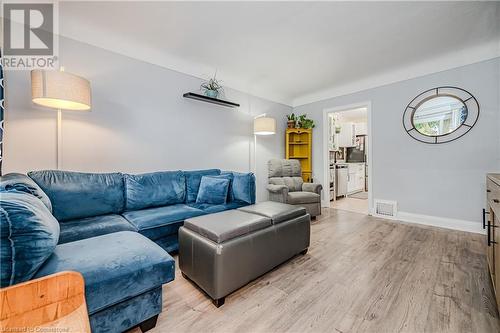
(264, 126)
(60, 90)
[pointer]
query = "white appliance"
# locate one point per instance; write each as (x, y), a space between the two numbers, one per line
(342, 175)
(332, 182)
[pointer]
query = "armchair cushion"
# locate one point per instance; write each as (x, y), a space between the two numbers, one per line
(277, 188)
(312, 187)
(297, 198)
(278, 193)
(284, 168)
(293, 183)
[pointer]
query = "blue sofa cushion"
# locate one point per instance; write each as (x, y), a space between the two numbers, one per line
(156, 223)
(210, 209)
(154, 189)
(23, 183)
(115, 266)
(92, 226)
(77, 195)
(29, 235)
(243, 186)
(213, 190)
(193, 180)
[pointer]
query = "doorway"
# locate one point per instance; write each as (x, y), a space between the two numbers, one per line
(347, 157)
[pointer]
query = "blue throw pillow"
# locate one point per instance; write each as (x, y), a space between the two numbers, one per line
(243, 186)
(29, 235)
(193, 179)
(230, 196)
(213, 190)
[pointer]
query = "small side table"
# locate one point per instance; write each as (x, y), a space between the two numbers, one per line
(55, 302)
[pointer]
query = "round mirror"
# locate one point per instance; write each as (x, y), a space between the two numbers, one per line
(439, 115)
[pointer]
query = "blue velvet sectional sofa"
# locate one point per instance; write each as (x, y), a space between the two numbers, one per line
(114, 228)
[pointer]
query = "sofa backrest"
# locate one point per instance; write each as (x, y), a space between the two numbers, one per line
(193, 180)
(77, 195)
(154, 189)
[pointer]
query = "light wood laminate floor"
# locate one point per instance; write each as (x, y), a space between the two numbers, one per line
(361, 274)
(351, 204)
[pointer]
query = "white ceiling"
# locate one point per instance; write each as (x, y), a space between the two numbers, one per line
(293, 52)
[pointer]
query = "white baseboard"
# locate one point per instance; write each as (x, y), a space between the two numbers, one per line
(442, 222)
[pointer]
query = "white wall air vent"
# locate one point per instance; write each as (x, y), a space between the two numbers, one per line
(386, 208)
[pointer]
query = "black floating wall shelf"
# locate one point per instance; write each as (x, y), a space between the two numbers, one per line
(210, 100)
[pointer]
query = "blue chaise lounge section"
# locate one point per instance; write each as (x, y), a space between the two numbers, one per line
(115, 229)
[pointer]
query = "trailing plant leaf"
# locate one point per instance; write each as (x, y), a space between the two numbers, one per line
(305, 122)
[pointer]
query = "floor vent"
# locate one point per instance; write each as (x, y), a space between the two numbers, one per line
(386, 208)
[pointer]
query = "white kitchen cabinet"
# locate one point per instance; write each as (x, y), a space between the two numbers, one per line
(361, 128)
(347, 136)
(356, 177)
(333, 138)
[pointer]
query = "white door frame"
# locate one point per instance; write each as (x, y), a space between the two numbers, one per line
(326, 153)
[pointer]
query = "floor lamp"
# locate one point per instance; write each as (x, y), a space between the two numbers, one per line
(262, 125)
(60, 90)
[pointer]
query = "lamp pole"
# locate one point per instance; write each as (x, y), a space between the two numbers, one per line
(59, 140)
(255, 144)
(59, 134)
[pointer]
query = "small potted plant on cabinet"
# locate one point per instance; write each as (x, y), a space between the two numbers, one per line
(291, 120)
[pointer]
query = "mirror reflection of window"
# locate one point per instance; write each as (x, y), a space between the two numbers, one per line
(439, 115)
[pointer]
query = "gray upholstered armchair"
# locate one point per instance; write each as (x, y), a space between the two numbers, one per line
(286, 185)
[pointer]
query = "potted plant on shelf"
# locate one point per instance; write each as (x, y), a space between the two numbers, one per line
(291, 120)
(304, 122)
(212, 88)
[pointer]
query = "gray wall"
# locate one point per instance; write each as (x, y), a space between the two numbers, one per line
(446, 180)
(139, 122)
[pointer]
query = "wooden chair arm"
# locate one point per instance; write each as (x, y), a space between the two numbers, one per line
(55, 301)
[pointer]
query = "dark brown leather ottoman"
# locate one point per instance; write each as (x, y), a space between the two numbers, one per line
(222, 252)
